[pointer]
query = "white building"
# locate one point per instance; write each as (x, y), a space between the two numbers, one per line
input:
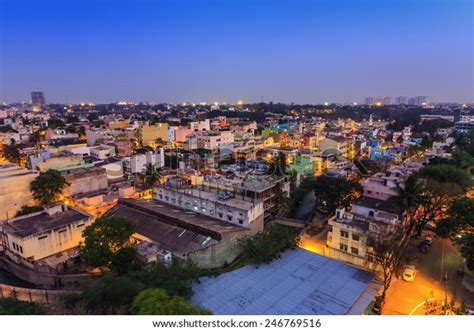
(29, 238)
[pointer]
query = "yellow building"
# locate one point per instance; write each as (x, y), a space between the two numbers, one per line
(14, 189)
(150, 133)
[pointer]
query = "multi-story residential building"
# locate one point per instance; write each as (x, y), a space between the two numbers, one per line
(31, 239)
(384, 186)
(137, 163)
(335, 145)
(14, 189)
(149, 134)
(251, 187)
(369, 101)
(102, 152)
(84, 180)
(464, 126)
(216, 204)
(401, 100)
(350, 234)
(37, 98)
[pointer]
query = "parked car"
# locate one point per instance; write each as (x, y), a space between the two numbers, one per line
(377, 307)
(409, 273)
(422, 247)
(427, 241)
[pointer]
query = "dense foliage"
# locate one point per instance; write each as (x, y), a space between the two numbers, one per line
(107, 245)
(25, 210)
(174, 277)
(48, 186)
(10, 306)
(459, 227)
(267, 245)
(334, 192)
(158, 302)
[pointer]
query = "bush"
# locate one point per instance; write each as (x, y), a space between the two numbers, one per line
(158, 302)
(267, 245)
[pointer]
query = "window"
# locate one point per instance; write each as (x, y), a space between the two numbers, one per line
(343, 247)
(221, 215)
(21, 250)
(344, 234)
(355, 237)
(371, 213)
(229, 217)
(354, 251)
(241, 222)
(370, 258)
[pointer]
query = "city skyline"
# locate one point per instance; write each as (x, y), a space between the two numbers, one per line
(303, 52)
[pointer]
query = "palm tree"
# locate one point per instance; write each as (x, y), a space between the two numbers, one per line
(150, 175)
(12, 153)
(409, 199)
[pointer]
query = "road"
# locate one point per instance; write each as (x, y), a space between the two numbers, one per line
(403, 297)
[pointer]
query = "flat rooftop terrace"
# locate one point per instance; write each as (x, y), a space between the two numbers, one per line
(182, 218)
(299, 283)
(41, 222)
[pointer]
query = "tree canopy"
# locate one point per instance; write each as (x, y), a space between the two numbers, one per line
(107, 245)
(10, 306)
(459, 227)
(267, 245)
(333, 192)
(12, 153)
(157, 302)
(48, 186)
(175, 277)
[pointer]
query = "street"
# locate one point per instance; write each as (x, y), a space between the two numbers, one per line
(408, 297)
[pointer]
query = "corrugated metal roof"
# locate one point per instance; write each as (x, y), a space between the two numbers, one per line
(299, 283)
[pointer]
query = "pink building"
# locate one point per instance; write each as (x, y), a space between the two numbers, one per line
(383, 186)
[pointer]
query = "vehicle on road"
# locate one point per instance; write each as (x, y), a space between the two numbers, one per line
(423, 248)
(409, 273)
(427, 241)
(377, 307)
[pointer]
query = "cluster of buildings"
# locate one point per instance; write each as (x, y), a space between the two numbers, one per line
(191, 184)
(419, 101)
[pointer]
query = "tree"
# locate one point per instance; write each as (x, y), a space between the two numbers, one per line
(25, 210)
(459, 227)
(267, 245)
(158, 302)
(408, 199)
(107, 245)
(282, 202)
(10, 306)
(175, 277)
(278, 167)
(334, 192)
(388, 247)
(48, 186)
(55, 123)
(92, 117)
(12, 153)
(108, 294)
(150, 175)
(439, 184)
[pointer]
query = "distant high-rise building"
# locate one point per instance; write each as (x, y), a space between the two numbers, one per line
(369, 101)
(401, 100)
(411, 102)
(37, 98)
(387, 101)
(421, 101)
(379, 102)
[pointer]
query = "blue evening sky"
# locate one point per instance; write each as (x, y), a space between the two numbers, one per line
(201, 50)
